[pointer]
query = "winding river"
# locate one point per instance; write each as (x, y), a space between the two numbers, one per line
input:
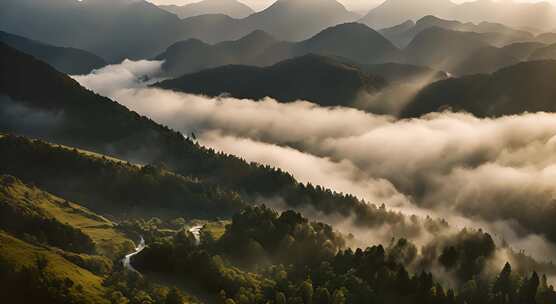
(126, 261)
(196, 231)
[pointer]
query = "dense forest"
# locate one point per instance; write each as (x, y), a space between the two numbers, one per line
(261, 256)
(267, 257)
(308, 152)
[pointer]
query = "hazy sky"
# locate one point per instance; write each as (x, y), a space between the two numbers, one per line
(356, 5)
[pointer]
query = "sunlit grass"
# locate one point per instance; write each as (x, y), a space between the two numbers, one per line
(108, 240)
(20, 254)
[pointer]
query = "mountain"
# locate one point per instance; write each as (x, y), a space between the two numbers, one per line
(314, 78)
(539, 15)
(67, 60)
(522, 51)
(461, 48)
(525, 87)
(115, 30)
(54, 250)
(397, 73)
(194, 55)
(394, 12)
(289, 20)
(124, 190)
(137, 29)
(50, 105)
(496, 34)
(232, 8)
(353, 41)
(485, 60)
(547, 38)
(443, 49)
(547, 52)
(295, 20)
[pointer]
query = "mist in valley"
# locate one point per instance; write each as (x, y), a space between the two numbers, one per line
(288, 151)
(491, 174)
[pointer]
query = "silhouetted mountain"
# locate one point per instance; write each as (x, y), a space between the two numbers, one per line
(461, 48)
(522, 51)
(540, 15)
(393, 12)
(289, 20)
(138, 29)
(396, 73)
(67, 60)
(547, 38)
(547, 52)
(442, 49)
(485, 60)
(525, 87)
(194, 55)
(299, 19)
(112, 29)
(353, 41)
(495, 34)
(319, 79)
(232, 8)
(65, 113)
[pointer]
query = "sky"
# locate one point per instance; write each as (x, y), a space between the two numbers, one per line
(355, 5)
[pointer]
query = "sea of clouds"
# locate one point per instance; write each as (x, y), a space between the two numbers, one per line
(497, 174)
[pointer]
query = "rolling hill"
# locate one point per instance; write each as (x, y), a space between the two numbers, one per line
(538, 15)
(493, 33)
(353, 41)
(543, 53)
(33, 274)
(128, 190)
(310, 77)
(194, 55)
(57, 222)
(505, 92)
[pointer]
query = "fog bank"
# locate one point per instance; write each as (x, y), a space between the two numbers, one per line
(496, 174)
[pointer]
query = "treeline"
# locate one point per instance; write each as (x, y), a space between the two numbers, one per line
(266, 257)
(260, 234)
(111, 186)
(121, 188)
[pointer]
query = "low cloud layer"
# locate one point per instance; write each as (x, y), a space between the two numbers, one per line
(498, 174)
(17, 116)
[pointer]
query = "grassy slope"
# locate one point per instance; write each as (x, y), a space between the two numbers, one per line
(20, 254)
(108, 240)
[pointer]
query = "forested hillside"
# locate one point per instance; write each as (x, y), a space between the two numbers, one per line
(89, 121)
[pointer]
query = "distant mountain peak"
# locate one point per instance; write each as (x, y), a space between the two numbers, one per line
(231, 8)
(257, 35)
